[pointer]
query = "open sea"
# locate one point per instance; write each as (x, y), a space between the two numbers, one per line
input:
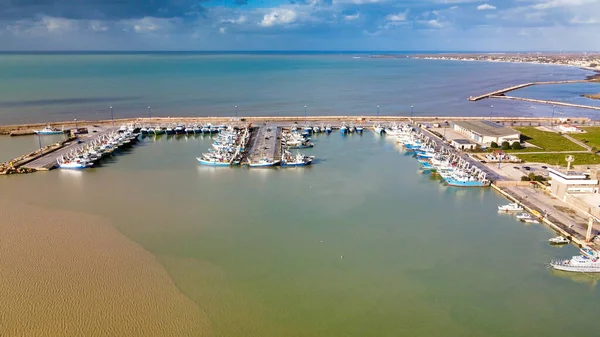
(63, 86)
(360, 244)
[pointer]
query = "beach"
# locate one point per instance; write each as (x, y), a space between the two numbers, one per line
(72, 274)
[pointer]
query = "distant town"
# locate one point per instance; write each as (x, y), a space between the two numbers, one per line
(589, 61)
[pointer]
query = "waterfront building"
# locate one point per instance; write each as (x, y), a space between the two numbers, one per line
(463, 144)
(486, 132)
(563, 183)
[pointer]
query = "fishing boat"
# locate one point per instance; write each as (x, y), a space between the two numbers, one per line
(359, 128)
(523, 216)
(264, 162)
(378, 128)
(587, 262)
(512, 207)
(48, 130)
(328, 129)
(159, 130)
(298, 160)
(343, 128)
(179, 129)
(301, 145)
(77, 163)
(558, 240)
(213, 161)
(316, 129)
(307, 128)
(463, 179)
(169, 130)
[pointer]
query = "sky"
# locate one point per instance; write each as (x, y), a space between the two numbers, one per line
(394, 25)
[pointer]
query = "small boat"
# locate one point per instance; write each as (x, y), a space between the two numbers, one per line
(212, 161)
(48, 130)
(378, 128)
(179, 129)
(512, 207)
(523, 216)
(343, 128)
(264, 162)
(587, 262)
(316, 129)
(307, 128)
(359, 129)
(169, 131)
(559, 240)
(298, 160)
(328, 128)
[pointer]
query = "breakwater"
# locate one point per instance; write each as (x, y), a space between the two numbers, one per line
(501, 92)
(533, 100)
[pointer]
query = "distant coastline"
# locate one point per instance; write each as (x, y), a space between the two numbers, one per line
(587, 61)
(591, 96)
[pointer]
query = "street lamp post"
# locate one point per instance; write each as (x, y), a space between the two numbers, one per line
(491, 111)
(552, 119)
(76, 130)
(378, 112)
(149, 112)
(40, 142)
(112, 115)
(305, 115)
(411, 111)
(236, 112)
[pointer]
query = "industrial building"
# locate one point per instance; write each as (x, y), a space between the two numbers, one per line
(486, 132)
(569, 182)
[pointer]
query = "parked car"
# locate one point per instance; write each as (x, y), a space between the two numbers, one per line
(527, 168)
(516, 167)
(545, 167)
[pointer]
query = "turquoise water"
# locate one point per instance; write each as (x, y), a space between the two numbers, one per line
(360, 244)
(55, 87)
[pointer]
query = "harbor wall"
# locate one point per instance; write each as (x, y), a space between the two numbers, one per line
(27, 128)
(557, 226)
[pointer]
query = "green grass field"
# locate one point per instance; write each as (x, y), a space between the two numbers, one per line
(548, 141)
(559, 158)
(591, 137)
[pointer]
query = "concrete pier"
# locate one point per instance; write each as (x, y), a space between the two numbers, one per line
(265, 142)
(520, 86)
(533, 100)
(47, 161)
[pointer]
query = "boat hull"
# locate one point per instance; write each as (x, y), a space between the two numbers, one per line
(574, 269)
(212, 163)
(43, 133)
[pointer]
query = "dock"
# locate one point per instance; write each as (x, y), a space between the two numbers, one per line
(533, 100)
(47, 160)
(501, 92)
(265, 142)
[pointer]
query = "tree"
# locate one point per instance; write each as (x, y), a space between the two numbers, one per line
(516, 146)
(531, 176)
(524, 178)
(594, 149)
(494, 145)
(505, 146)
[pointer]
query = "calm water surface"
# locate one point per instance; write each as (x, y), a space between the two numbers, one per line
(360, 244)
(56, 87)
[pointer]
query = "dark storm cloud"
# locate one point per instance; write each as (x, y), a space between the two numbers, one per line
(99, 9)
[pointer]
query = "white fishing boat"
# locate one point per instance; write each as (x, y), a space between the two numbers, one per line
(298, 160)
(328, 128)
(343, 128)
(213, 161)
(378, 128)
(264, 162)
(587, 262)
(558, 240)
(512, 207)
(48, 130)
(523, 216)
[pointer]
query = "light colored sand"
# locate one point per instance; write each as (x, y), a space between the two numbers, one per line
(70, 274)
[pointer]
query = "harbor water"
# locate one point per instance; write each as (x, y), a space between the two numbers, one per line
(361, 243)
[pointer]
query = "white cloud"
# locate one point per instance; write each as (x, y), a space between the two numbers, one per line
(97, 26)
(434, 23)
(279, 16)
(240, 20)
(356, 2)
(352, 17)
(584, 21)
(56, 25)
(485, 7)
(398, 17)
(222, 30)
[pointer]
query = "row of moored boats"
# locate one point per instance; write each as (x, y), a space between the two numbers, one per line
(88, 154)
(441, 161)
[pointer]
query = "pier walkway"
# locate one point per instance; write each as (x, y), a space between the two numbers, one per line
(48, 160)
(265, 143)
(501, 92)
(533, 100)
